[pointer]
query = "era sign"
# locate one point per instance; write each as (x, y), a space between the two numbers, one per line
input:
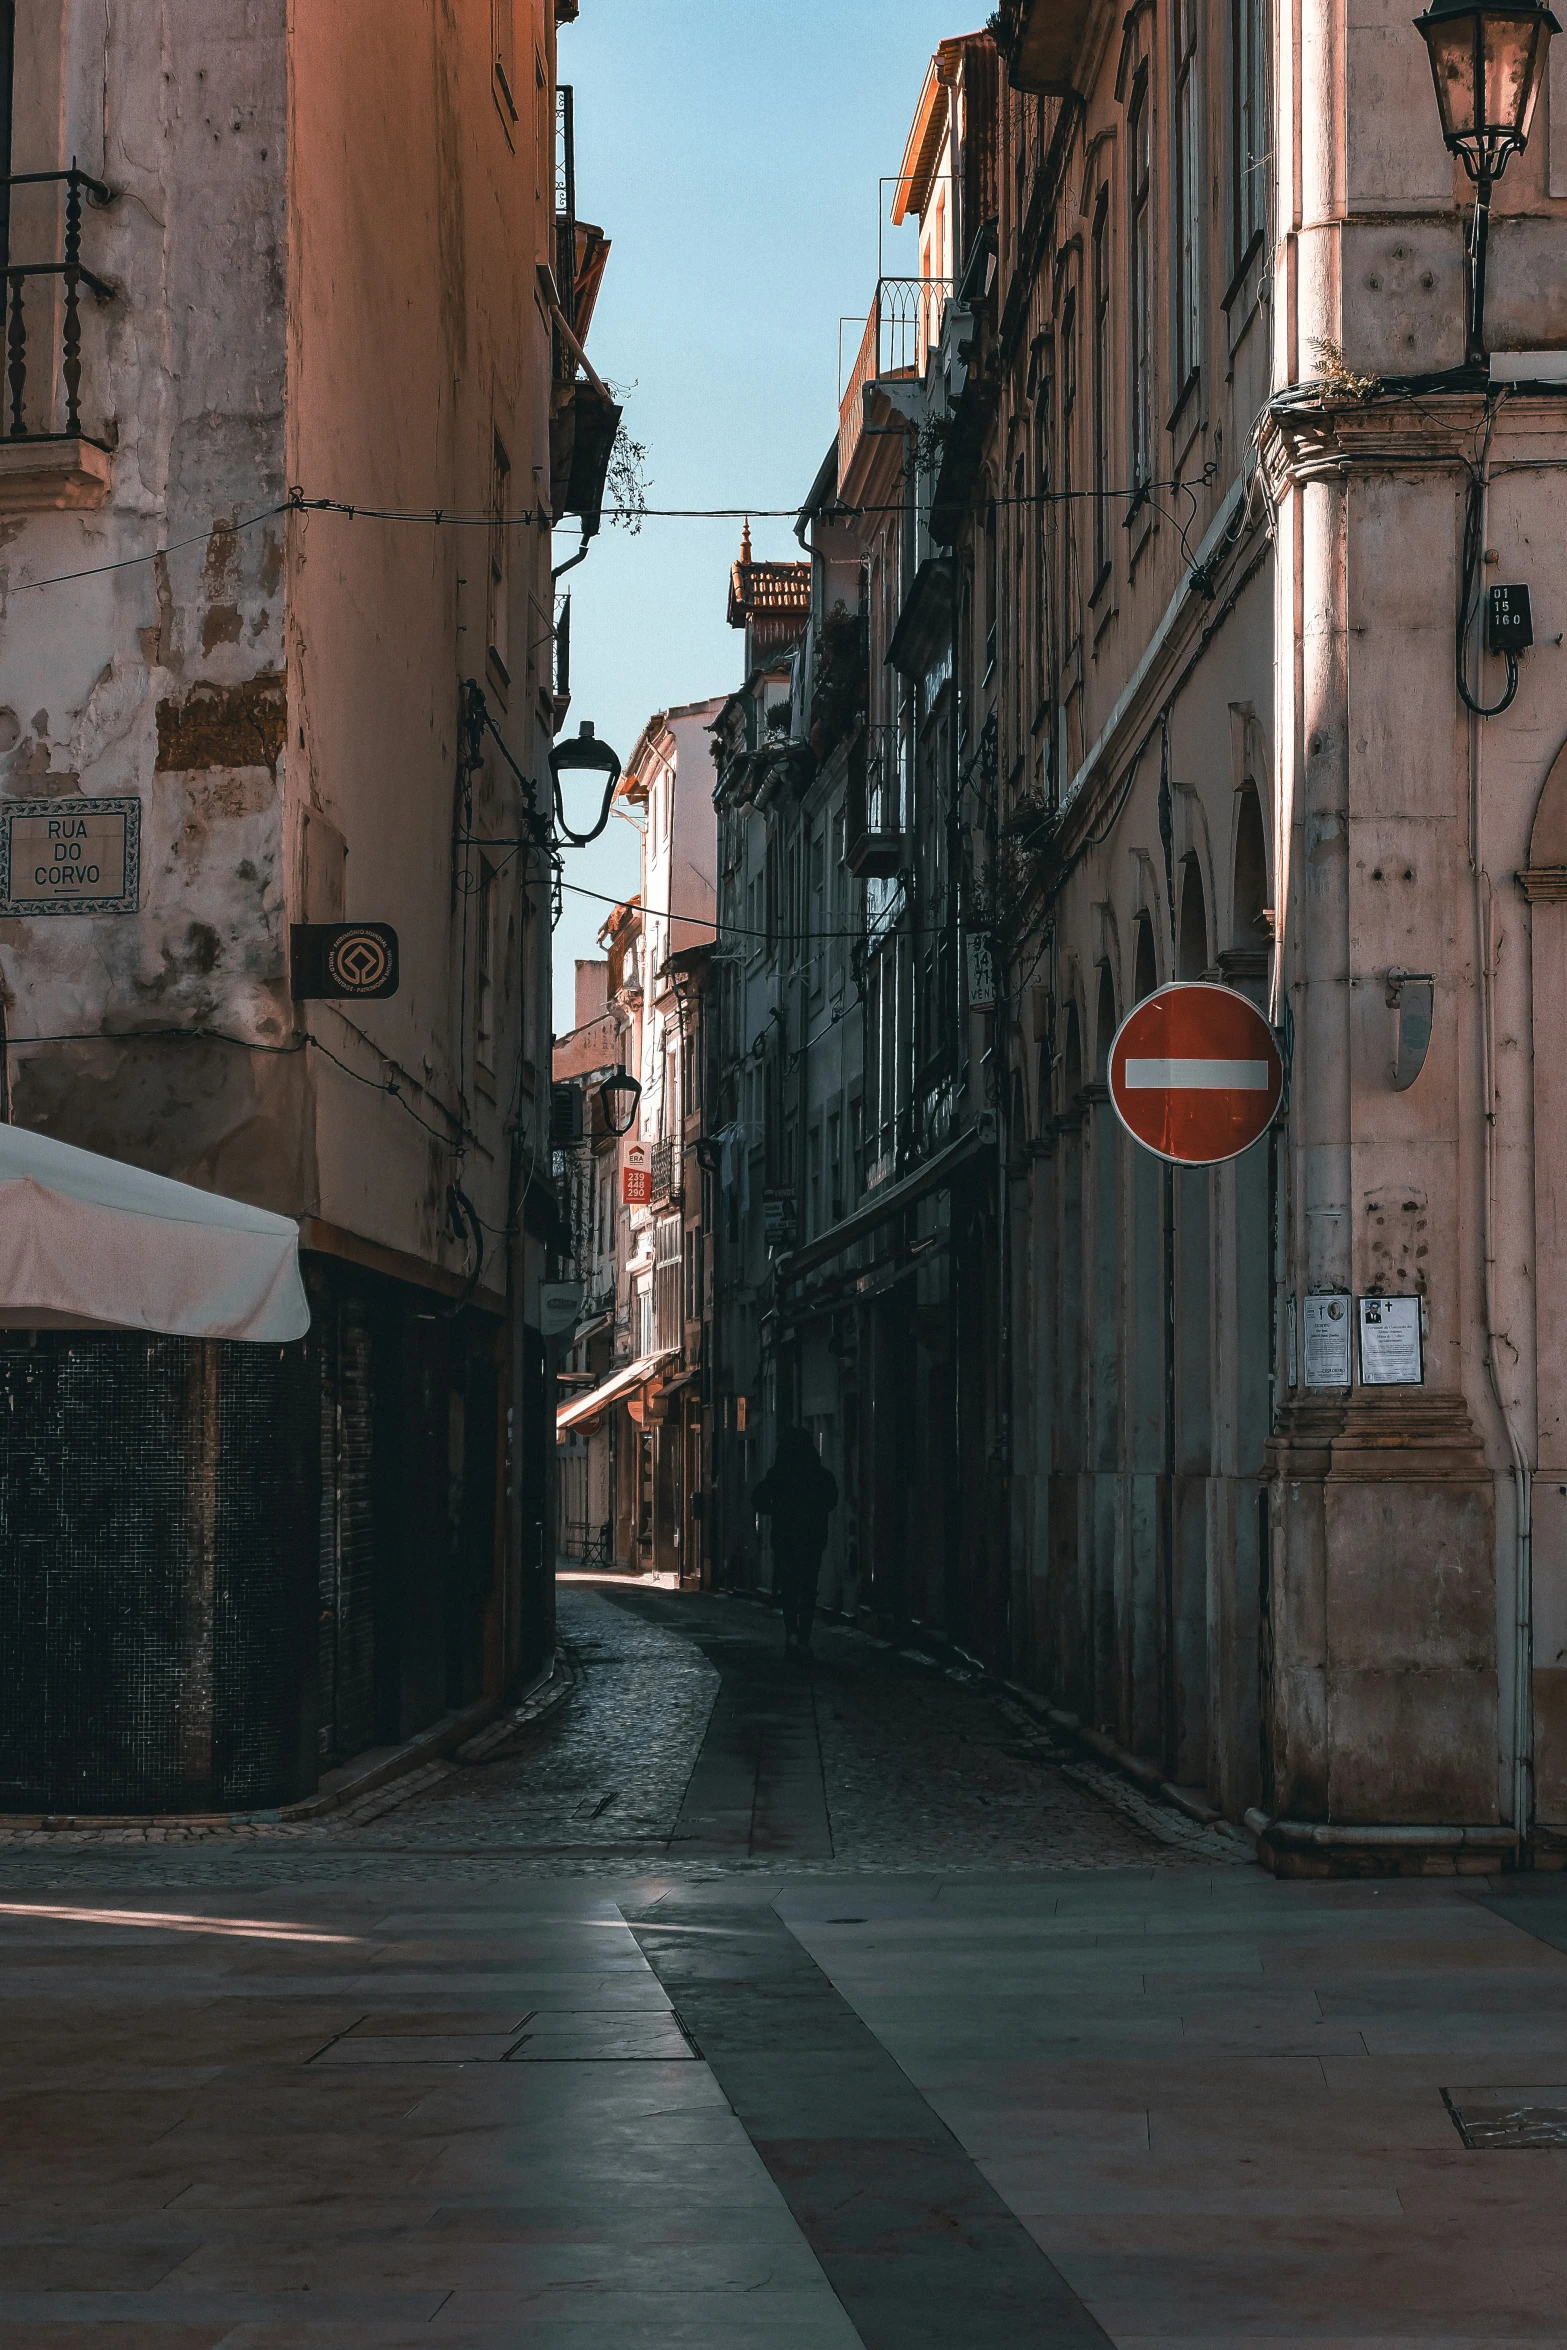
(636, 1177)
(1195, 1073)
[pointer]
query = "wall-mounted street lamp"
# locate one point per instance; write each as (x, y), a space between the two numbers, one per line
(618, 1098)
(581, 752)
(1488, 64)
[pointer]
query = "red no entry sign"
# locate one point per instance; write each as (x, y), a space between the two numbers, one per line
(1195, 1074)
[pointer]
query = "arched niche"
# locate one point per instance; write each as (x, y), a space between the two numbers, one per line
(1105, 1023)
(1192, 952)
(1244, 961)
(1145, 961)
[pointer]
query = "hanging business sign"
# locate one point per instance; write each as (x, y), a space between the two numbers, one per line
(636, 1176)
(1195, 1073)
(981, 971)
(331, 959)
(70, 856)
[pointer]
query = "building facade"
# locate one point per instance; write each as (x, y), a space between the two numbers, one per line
(274, 697)
(863, 1301)
(1159, 499)
(634, 1419)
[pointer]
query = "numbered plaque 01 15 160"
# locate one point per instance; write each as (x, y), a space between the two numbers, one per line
(70, 855)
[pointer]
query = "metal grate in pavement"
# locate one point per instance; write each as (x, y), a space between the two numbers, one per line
(1491, 2120)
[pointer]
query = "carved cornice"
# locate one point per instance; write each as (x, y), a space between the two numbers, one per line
(1301, 439)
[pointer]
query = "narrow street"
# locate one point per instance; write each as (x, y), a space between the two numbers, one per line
(741, 2000)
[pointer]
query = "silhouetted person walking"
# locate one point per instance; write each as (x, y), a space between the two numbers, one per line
(799, 1495)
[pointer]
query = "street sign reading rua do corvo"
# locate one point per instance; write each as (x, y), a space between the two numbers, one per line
(1195, 1073)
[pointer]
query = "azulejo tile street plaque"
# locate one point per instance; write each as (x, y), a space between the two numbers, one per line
(70, 856)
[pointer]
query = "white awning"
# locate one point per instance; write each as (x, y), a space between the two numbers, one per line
(87, 1243)
(612, 1390)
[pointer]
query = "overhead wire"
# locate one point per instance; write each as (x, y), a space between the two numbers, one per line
(452, 518)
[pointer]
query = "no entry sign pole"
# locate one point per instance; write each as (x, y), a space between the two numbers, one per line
(1195, 1073)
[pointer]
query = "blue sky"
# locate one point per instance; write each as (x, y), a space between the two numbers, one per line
(732, 151)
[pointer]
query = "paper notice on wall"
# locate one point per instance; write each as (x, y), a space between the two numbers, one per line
(1390, 1342)
(1327, 1341)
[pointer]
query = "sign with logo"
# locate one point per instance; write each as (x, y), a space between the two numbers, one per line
(1195, 1073)
(343, 959)
(560, 1304)
(636, 1177)
(778, 1218)
(70, 856)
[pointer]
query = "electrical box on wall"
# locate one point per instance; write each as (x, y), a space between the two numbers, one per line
(1510, 626)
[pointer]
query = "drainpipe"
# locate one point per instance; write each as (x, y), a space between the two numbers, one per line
(1522, 1791)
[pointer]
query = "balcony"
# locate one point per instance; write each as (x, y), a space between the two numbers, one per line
(902, 330)
(47, 457)
(873, 837)
(666, 1171)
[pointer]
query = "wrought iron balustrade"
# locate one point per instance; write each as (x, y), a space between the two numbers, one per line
(71, 275)
(873, 832)
(665, 1171)
(901, 331)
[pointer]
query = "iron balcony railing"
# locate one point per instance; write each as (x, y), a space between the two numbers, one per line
(70, 275)
(873, 833)
(903, 328)
(665, 1172)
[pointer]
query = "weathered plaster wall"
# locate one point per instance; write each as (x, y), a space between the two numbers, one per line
(416, 339)
(181, 108)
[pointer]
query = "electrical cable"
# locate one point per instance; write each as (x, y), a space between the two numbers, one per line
(1468, 572)
(298, 1043)
(441, 517)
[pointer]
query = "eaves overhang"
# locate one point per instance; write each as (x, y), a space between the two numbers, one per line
(1041, 42)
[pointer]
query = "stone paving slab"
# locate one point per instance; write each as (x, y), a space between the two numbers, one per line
(277, 2095)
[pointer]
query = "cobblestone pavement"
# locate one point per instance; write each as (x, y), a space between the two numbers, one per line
(866, 1758)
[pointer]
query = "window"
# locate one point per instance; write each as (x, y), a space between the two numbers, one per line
(498, 611)
(1101, 389)
(484, 956)
(503, 41)
(814, 1163)
(1140, 241)
(1024, 639)
(1188, 197)
(992, 590)
(835, 1166)
(1071, 616)
(1041, 632)
(1248, 127)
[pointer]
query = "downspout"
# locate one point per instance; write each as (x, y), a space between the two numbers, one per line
(1522, 1792)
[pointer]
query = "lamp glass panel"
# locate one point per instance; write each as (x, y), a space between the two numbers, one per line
(1541, 43)
(1508, 51)
(1451, 41)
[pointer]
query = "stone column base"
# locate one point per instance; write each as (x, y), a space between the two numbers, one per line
(1379, 1695)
